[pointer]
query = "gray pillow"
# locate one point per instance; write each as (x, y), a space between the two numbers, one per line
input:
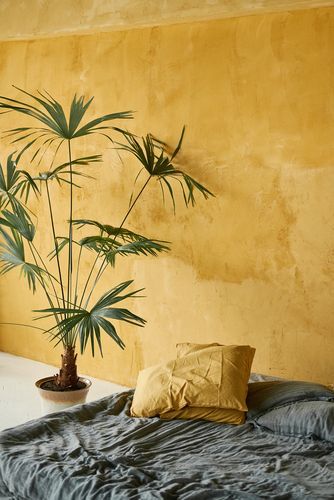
(265, 396)
(313, 419)
(299, 409)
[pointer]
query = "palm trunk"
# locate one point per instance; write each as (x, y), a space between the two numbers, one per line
(67, 377)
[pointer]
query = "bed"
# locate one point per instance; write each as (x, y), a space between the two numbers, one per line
(284, 450)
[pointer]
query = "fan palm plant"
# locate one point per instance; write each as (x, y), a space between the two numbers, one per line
(76, 322)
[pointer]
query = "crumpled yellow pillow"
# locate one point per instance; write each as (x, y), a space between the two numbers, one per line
(185, 348)
(220, 415)
(215, 377)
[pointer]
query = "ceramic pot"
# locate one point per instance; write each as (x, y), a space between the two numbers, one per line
(53, 401)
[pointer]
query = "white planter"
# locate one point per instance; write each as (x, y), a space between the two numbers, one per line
(53, 401)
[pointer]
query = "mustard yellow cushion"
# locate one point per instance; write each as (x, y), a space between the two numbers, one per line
(215, 377)
(185, 348)
(220, 415)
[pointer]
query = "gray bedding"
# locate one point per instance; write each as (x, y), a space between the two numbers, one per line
(96, 451)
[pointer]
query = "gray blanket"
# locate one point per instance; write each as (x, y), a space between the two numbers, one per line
(96, 451)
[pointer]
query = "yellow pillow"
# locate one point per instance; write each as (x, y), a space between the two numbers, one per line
(215, 377)
(185, 348)
(220, 415)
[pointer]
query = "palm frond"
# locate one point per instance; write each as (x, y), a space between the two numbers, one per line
(54, 173)
(152, 155)
(119, 232)
(16, 183)
(62, 242)
(26, 185)
(12, 173)
(9, 182)
(109, 247)
(91, 127)
(19, 221)
(88, 324)
(27, 109)
(50, 113)
(21, 131)
(77, 112)
(12, 256)
(84, 160)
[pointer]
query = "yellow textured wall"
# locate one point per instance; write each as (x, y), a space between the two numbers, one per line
(36, 18)
(254, 265)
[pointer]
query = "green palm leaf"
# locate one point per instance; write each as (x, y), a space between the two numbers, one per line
(151, 153)
(62, 242)
(61, 170)
(16, 183)
(119, 232)
(8, 183)
(109, 247)
(26, 185)
(9, 104)
(50, 113)
(84, 160)
(18, 221)
(12, 256)
(91, 127)
(77, 112)
(89, 324)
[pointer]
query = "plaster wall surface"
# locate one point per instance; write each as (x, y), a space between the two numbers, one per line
(43, 18)
(253, 265)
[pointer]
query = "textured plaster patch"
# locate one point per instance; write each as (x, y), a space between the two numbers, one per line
(67, 17)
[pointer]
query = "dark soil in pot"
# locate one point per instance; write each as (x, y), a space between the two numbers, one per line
(50, 385)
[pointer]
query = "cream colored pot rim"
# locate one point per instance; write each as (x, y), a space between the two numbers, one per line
(41, 381)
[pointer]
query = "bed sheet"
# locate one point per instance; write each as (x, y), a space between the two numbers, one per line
(97, 451)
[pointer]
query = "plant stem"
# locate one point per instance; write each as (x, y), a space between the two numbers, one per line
(34, 250)
(31, 246)
(102, 268)
(67, 377)
(55, 243)
(70, 232)
(46, 269)
(77, 277)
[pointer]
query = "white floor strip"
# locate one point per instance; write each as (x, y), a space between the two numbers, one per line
(19, 400)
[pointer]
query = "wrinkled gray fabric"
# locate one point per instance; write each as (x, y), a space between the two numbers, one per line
(301, 419)
(96, 451)
(264, 396)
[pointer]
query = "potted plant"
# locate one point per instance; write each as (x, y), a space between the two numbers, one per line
(76, 322)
